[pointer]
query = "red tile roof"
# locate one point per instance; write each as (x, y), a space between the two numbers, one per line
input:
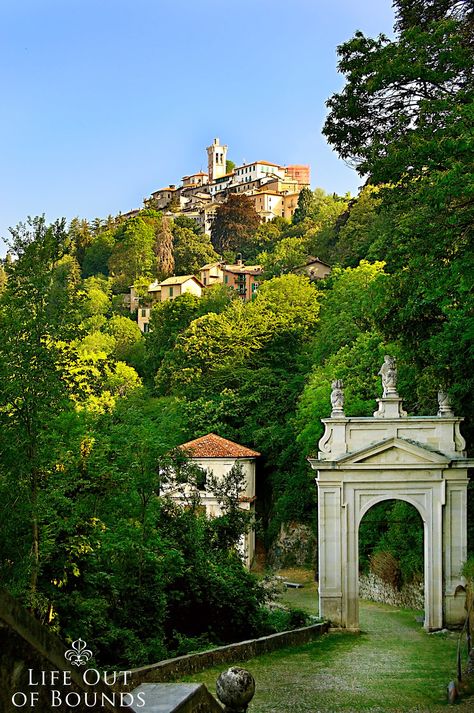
(212, 446)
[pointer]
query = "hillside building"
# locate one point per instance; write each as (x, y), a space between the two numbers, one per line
(314, 268)
(273, 188)
(216, 455)
(173, 287)
(300, 173)
(216, 160)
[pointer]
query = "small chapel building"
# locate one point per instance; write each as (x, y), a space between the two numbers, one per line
(218, 455)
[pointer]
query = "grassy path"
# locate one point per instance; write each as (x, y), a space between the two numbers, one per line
(392, 666)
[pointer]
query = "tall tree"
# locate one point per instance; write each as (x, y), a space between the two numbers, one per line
(132, 254)
(97, 254)
(81, 235)
(38, 312)
(405, 118)
(163, 248)
(235, 225)
(305, 206)
(3, 278)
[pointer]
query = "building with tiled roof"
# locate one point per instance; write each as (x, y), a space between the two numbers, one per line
(177, 280)
(213, 446)
(195, 179)
(216, 455)
(175, 286)
(314, 268)
(246, 178)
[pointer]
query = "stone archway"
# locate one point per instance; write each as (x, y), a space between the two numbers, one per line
(391, 542)
(363, 461)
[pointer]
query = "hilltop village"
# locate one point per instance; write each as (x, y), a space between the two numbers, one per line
(273, 192)
(273, 189)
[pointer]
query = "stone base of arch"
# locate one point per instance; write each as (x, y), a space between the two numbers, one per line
(364, 461)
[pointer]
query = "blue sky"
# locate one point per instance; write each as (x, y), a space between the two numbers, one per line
(104, 101)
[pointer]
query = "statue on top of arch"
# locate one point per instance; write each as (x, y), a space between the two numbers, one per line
(388, 372)
(337, 399)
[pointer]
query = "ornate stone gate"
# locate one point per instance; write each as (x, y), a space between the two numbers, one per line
(363, 461)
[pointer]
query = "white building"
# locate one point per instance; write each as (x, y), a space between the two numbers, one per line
(218, 455)
(271, 180)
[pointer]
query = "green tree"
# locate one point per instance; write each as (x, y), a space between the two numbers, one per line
(305, 206)
(127, 336)
(157, 576)
(267, 237)
(404, 118)
(210, 352)
(418, 75)
(81, 235)
(3, 278)
(347, 307)
(132, 255)
(163, 248)
(191, 251)
(171, 318)
(168, 319)
(38, 311)
(235, 224)
(349, 240)
(97, 255)
(183, 221)
(96, 301)
(287, 254)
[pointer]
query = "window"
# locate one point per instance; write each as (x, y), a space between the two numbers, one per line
(201, 478)
(204, 279)
(146, 328)
(143, 312)
(171, 292)
(226, 279)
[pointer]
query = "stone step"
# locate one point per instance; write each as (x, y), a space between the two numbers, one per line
(173, 698)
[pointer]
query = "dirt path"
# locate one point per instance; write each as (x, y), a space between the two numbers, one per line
(392, 666)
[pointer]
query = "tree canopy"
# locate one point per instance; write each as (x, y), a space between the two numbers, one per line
(404, 118)
(234, 224)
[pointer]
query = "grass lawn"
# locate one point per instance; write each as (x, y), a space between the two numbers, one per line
(392, 666)
(305, 598)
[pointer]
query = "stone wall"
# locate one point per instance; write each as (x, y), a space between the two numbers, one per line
(295, 546)
(410, 596)
(171, 669)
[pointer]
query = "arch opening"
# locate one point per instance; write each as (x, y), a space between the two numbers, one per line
(392, 554)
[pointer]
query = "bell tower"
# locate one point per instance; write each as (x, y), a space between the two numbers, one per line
(216, 160)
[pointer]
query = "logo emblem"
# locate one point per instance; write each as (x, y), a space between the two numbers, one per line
(78, 654)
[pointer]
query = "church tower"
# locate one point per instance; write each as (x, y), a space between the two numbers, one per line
(216, 160)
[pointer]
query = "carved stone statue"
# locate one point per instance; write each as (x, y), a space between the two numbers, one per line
(337, 398)
(388, 372)
(444, 404)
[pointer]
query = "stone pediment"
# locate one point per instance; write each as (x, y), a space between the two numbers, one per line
(394, 452)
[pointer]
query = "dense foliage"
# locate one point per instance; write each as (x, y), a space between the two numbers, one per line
(92, 410)
(89, 539)
(405, 117)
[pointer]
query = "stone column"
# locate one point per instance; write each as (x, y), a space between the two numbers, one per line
(350, 565)
(455, 546)
(330, 552)
(434, 564)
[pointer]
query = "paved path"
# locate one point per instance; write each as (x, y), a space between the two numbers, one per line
(393, 666)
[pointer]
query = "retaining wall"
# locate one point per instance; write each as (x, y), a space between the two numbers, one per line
(410, 596)
(170, 669)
